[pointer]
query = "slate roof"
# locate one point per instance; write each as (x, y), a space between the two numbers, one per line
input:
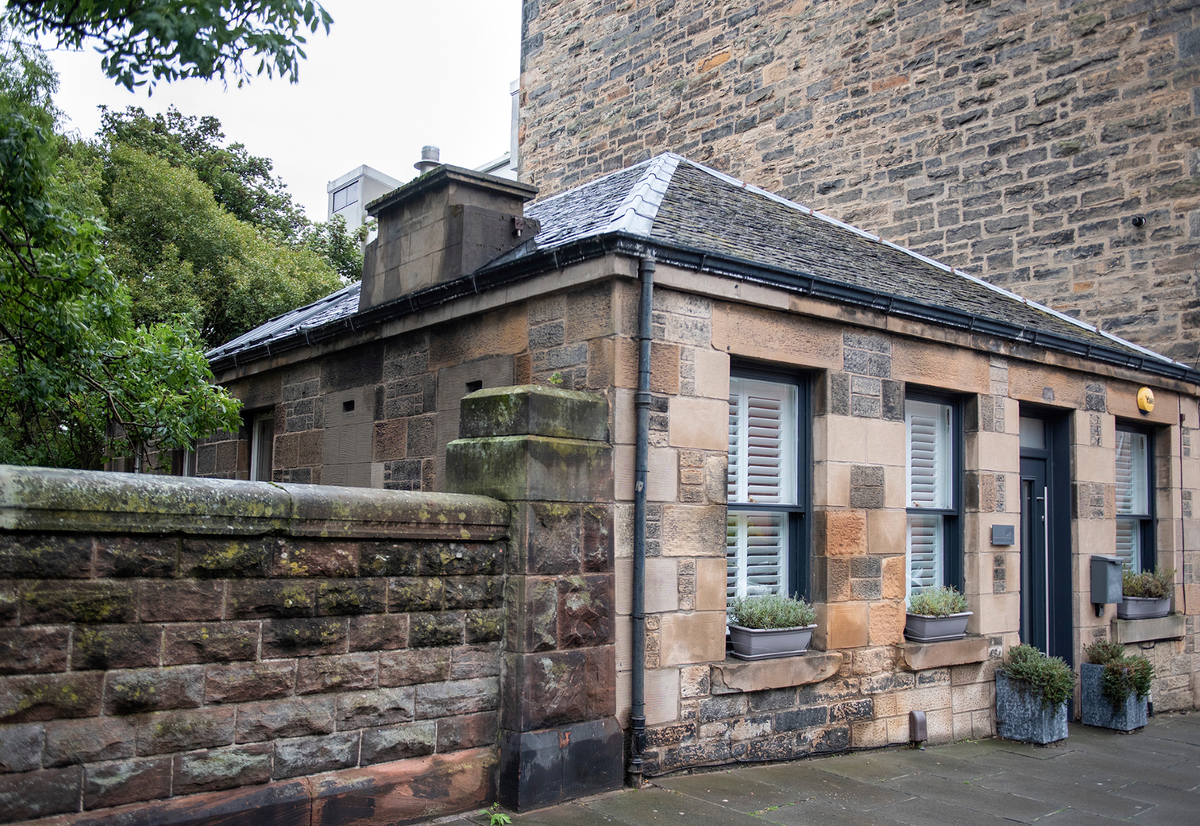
(689, 214)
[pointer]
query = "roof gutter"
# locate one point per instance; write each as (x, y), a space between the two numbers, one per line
(559, 257)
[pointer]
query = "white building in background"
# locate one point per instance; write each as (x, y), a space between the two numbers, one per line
(349, 194)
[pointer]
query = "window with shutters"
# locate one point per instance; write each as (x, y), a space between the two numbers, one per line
(1135, 516)
(933, 474)
(766, 537)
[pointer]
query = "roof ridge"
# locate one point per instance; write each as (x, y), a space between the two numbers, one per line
(729, 179)
(637, 212)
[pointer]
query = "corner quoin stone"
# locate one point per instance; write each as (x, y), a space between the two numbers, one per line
(533, 410)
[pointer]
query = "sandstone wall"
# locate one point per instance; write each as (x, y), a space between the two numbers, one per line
(1017, 140)
(162, 638)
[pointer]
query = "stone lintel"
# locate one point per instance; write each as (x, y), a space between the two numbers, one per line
(542, 768)
(1170, 627)
(733, 675)
(919, 656)
(534, 410)
(48, 500)
(531, 468)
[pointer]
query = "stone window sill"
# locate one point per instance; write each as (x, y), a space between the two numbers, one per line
(733, 676)
(1170, 627)
(918, 656)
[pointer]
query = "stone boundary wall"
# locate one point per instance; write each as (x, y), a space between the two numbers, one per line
(1017, 139)
(282, 648)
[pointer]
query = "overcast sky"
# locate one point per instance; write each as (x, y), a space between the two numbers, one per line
(391, 76)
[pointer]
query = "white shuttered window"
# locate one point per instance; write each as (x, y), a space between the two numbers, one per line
(762, 471)
(930, 486)
(1133, 497)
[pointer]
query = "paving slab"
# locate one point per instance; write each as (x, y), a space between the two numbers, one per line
(927, 812)
(1093, 798)
(973, 797)
(734, 789)
(870, 767)
(1076, 817)
(807, 782)
(1112, 768)
(661, 807)
(1162, 795)
(821, 812)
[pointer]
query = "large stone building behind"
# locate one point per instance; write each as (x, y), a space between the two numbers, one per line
(1050, 146)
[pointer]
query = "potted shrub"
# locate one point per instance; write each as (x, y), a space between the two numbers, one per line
(1031, 696)
(770, 625)
(1146, 594)
(937, 613)
(1114, 687)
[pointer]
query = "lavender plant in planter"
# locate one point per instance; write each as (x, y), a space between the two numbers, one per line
(1146, 594)
(1031, 696)
(936, 613)
(1114, 688)
(764, 626)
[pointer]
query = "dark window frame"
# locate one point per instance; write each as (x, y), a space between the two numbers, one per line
(799, 526)
(953, 549)
(1147, 523)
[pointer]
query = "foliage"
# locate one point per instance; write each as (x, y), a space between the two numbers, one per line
(145, 41)
(937, 601)
(495, 816)
(340, 247)
(1049, 677)
(1123, 675)
(771, 611)
(1154, 584)
(180, 253)
(240, 182)
(82, 381)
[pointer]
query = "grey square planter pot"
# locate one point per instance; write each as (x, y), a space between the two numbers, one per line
(766, 643)
(1098, 711)
(1143, 607)
(924, 628)
(1020, 715)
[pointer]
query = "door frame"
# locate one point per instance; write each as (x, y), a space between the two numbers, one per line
(1059, 591)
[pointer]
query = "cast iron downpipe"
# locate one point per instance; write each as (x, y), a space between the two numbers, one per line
(641, 403)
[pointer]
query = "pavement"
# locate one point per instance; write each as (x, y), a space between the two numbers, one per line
(1094, 777)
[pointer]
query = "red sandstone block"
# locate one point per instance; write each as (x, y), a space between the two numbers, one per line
(312, 755)
(379, 632)
(383, 745)
(126, 781)
(252, 681)
(39, 793)
(89, 741)
(210, 642)
(174, 731)
(457, 697)
(153, 689)
(45, 556)
(116, 646)
(137, 556)
(412, 667)
(383, 707)
(257, 722)
(233, 557)
(304, 637)
(347, 672)
(33, 650)
(352, 596)
(50, 696)
(316, 558)
(222, 768)
(85, 602)
(10, 603)
(471, 661)
(254, 598)
(21, 747)
(185, 600)
(466, 731)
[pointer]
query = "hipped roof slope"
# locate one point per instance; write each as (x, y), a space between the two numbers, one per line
(687, 214)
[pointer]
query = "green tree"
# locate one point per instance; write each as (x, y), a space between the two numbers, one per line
(180, 253)
(82, 382)
(145, 41)
(240, 182)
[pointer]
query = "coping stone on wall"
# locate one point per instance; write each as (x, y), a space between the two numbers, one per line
(50, 500)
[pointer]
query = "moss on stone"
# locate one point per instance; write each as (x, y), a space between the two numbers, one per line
(234, 559)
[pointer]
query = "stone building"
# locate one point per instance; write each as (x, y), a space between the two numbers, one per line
(1051, 147)
(769, 321)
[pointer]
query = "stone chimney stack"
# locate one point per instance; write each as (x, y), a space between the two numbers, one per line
(444, 224)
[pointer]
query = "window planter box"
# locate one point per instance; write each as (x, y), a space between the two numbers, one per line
(766, 643)
(1098, 711)
(1021, 716)
(923, 628)
(1143, 607)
